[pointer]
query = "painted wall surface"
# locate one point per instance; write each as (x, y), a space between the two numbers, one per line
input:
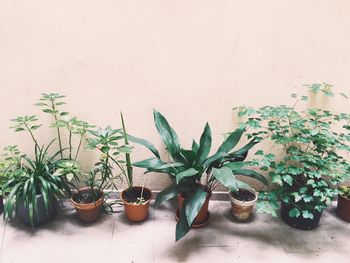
(193, 60)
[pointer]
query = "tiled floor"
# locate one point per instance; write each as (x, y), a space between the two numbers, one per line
(114, 239)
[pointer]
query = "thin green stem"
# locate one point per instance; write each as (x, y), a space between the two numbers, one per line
(57, 128)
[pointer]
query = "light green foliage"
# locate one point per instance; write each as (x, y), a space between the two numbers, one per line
(345, 191)
(312, 164)
(188, 167)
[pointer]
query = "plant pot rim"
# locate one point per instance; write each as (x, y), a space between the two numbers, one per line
(340, 195)
(88, 205)
(137, 187)
(244, 203)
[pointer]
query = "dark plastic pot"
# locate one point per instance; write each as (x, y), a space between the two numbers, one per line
(299, 222)
(343, 208)
(42, 215)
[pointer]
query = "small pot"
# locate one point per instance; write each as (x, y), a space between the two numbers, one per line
(136, 212)
(299, 222)
(242, 210)
(41, 217)
(203, 216)
(343, 208)
(88, 213)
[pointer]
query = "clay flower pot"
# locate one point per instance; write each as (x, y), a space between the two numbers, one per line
(242, 203)
(88, 212)
(134, 211)
(203, 216)
(343, 208)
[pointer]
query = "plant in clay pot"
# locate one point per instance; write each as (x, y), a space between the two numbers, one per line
(194, 173)
(311, 166)
(136, 199)
(343, 207)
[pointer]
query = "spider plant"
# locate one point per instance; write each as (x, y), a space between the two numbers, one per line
(34, 177)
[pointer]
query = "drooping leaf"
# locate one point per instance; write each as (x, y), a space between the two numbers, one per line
(217, 156)
(252, 174)
(182, 226)
(194, 204)
(145, 143)
(187, 173)
(167, 194)
(294, 212)
(225, 176)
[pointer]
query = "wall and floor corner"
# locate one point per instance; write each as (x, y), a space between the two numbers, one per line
(192, 60)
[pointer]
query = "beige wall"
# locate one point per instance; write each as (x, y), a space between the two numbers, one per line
(191, 60)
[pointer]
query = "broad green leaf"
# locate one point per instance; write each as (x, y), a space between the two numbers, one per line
(145, 143)
(151, 163)
(231, 140)
(252, 174)
(225, 176)
(236, 165)
(182, 226)
(242, 153)
(167, 194)
(194, 204)
(307, 214)
(167, 134)
(217, 156)
(187, 173)
(204, 145)
(294, 212)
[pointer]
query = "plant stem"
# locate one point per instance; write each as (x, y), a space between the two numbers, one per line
(70, 144)
(31, 134)
(76, 154)
(57, 127)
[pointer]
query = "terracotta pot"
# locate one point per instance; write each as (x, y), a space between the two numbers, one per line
(242, 210)
(343, 208)
(137, 212)
(203, 214)
(88, 212)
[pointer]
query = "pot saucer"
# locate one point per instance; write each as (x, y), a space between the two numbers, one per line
(194, 226)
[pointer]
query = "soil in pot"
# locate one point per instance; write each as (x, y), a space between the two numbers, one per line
(299, 222)
(42, 215)
(203, 216)
(343, 208)
(242, 203)
(243, 195)
(87, 209)
(136, 203)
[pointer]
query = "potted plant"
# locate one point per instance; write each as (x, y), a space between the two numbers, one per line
(88, 201)
(34, 189)
(243, 202)
(311, 166)
(136, 199)
(343, 207)
(194, 173)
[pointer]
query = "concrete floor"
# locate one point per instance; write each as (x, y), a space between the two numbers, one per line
(114, 239)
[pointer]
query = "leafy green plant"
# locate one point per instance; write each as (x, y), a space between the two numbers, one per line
(8, 167)
(50, 103)
(312, 163)
(345, 191)
(188, 167)
(31, 178)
